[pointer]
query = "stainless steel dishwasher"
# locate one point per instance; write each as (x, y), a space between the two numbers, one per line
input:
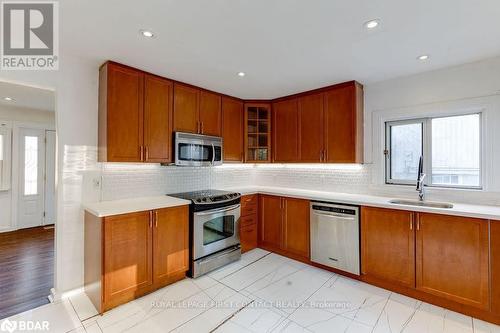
(335, 236)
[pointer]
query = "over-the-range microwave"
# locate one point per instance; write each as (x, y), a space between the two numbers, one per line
(197, 150)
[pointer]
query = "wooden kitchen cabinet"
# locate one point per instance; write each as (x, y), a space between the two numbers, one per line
(311, 133)
(270, 222)
(296, 228)
(495, 267)
(285, 131)
(158, 94)
(210, 113)
(134, 115)
(186, 109)
(129, 255)
(452, 258)
(196, 111)
(248, 222)
(232, 129)
(121, 114)
(284, 226)
(388, 246)
(344, 124)
(170, 245)
(257, 132)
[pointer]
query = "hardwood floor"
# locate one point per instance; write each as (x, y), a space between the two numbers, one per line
(26, 269)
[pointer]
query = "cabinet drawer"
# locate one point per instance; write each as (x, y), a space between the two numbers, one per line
(248, 237)
(248, 220)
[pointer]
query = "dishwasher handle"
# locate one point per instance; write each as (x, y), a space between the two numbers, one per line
(334, 215)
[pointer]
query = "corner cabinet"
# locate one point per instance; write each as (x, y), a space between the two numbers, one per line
(323, 126)
(257, 133)
(135, 115)
(129, 255)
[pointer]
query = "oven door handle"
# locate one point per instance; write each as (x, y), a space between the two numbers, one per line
(217, 210)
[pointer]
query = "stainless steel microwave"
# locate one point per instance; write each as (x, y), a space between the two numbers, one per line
(197, 150)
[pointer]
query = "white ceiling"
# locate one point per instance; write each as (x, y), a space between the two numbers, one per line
(284, 46)
(27, 97)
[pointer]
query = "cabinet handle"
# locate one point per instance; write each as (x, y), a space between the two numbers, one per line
(411, 222)
(142, 153)
(156, 219)
(147, 153)
(150, 218)
(418, 223)
(201, 127)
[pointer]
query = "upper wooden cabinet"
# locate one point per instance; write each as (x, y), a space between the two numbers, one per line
(452, 258)
(388, 246)
(121, 114)
(196, 110)
(232, 129)
(257, 133)
(157, 119)
(344, 124)
(495, 266)
(325, 126)
(311, 133)
(134, 115)
(285, 131)
(186, 109)
(210, 113)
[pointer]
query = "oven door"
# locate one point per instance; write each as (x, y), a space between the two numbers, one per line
(215, 230)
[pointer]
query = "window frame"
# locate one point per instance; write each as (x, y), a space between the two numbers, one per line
(5, 171)
(427, 151)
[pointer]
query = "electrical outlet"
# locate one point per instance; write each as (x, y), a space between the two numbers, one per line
(97, 183)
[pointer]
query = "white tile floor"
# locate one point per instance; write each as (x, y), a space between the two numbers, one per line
(263, 292)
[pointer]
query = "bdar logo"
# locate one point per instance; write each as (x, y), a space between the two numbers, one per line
(8, 326)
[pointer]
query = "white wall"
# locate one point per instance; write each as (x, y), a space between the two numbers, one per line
(474, 86)
(15, 117)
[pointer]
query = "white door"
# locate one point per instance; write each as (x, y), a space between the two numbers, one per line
(31, 174)
(50, 177)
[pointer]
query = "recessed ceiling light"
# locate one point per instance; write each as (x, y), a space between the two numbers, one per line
(423, 57)
(8, 99)
(241, 74)
(147, 33)
(372, 24)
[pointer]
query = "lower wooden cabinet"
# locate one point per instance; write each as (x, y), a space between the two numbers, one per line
(388, 245)
(129, 255)
(170, 245)
(284, 226)
(442, 258)
(495, 266)
(452, 258)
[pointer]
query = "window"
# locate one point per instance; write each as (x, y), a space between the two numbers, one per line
(30, 165)
(451, 147)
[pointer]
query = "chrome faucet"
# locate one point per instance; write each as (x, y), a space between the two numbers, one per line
(420, 179)
(420, 186)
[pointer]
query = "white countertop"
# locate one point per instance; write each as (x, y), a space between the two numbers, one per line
(117, 207)
(477, 211)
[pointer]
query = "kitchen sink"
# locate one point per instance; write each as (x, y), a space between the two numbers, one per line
(444, 205)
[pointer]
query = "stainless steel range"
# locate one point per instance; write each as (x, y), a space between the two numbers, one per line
(214, 229)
